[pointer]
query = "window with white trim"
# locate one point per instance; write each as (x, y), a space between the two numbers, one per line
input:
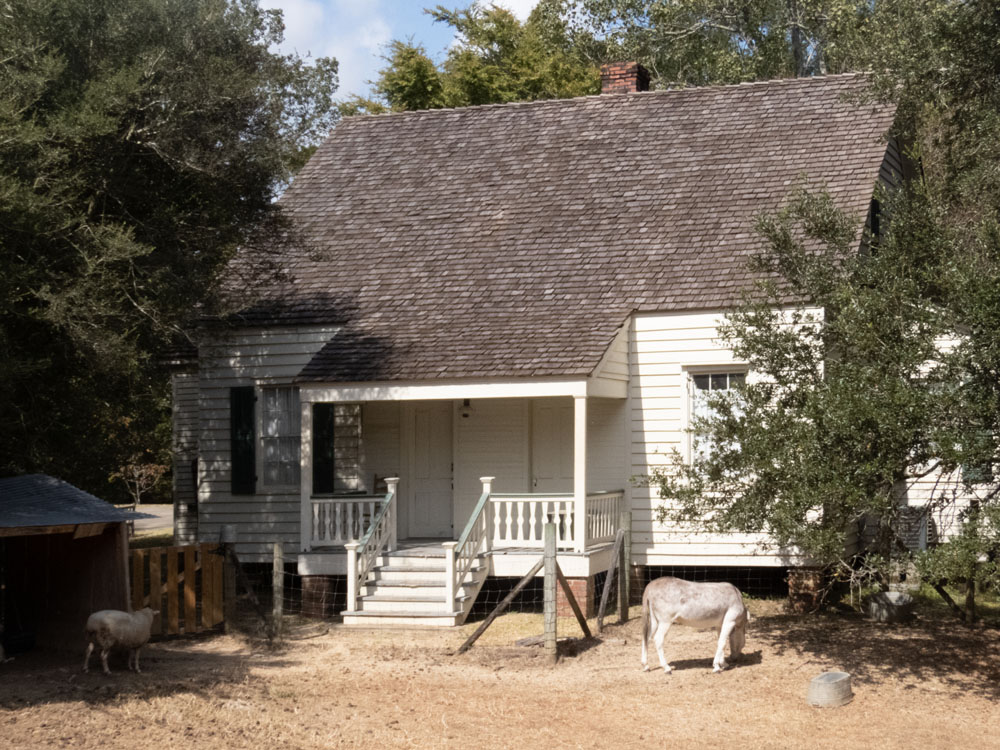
(281, 433)
(702, 386)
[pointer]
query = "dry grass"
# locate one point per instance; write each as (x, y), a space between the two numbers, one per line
(931, 684)
(151, 538)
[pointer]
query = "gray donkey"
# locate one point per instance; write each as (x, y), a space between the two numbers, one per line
(699, 605)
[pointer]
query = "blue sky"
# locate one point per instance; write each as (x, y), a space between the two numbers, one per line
(357, 31)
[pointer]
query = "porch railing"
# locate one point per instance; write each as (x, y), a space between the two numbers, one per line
(381, 535)
(338, 520)
(603, 515)
(519, 519)
(476, 540)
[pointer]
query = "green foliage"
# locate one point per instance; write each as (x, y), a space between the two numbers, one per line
(496, 59)
(411, 81)
(140, 143)
(968, 554)
(701, 42)
(846, 410)
(845, 407)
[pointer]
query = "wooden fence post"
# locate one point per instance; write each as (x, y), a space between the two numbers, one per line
(227, 539)
(616, 553)
(550, 592)
(278, 585)
(625, 566)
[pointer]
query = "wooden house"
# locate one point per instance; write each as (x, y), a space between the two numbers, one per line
(491, 317)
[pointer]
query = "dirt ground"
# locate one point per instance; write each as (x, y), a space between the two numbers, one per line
(930, 684)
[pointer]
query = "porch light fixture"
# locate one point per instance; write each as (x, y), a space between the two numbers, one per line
(466, 410)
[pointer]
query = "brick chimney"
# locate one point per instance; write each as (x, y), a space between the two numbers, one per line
(623, 78)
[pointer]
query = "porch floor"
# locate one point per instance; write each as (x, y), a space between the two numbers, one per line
(422, 547)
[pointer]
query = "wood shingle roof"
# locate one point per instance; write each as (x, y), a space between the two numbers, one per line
(513, 240)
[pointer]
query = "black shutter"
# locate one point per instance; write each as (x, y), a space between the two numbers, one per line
(241, 424)
(323, 456)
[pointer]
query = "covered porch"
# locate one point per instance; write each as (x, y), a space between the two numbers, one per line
(470, 471)
(557, 450)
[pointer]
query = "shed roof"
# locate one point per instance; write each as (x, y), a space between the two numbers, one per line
(41, 500)
(514, 240)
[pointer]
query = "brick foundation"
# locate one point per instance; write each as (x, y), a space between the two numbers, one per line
(637, 583)
(583, 592)
(805, 589)
(323, 596)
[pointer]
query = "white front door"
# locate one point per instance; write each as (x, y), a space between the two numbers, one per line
(431, 471)
(552, 445)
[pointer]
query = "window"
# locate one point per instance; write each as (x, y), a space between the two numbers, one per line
(280, 437)
(336, 448)
(241, 434)
(703, 385)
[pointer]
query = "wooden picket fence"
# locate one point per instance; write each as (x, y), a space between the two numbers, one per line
(184, 583)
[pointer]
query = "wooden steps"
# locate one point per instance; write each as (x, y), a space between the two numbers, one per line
(407, 588)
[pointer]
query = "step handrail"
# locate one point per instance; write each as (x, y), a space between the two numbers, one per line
(474, 541)
(361, 555)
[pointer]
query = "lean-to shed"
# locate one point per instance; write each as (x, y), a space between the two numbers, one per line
(63, 555)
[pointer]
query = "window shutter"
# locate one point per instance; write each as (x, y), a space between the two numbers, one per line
(241, 423)
(323, 451)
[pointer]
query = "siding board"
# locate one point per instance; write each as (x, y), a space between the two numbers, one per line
(239, 358)
(662, 347)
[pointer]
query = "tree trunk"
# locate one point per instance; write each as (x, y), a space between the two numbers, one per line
(798, 46)
(970, 597)
(949, 601)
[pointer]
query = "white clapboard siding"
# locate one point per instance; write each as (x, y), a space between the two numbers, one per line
(891, 172)
(184, 387)
(949, 499)
(259, 357)
(663, 348)
(614, 364)
(607, 445)
(492, 441)
(380, 436)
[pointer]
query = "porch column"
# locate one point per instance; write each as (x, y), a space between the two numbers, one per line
(305, 478)
(580, 472)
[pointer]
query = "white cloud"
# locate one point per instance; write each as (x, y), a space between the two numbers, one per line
(520, 8)
(356, 32)
(353, 32)
(304, 23)
(359, 50)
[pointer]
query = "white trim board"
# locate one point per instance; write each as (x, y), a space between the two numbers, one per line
(388, 391)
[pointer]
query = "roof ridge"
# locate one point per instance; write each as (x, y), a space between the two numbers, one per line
(441, 111)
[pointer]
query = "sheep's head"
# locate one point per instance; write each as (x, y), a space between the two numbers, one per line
(150, 611)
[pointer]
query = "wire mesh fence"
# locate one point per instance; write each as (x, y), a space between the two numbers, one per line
(324, 597)
(759, 582)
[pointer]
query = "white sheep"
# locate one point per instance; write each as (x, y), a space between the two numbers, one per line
(112, 628)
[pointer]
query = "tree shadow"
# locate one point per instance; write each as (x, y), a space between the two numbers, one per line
(41, 677)
(746, 659)
(567, 647)
(966, 659)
